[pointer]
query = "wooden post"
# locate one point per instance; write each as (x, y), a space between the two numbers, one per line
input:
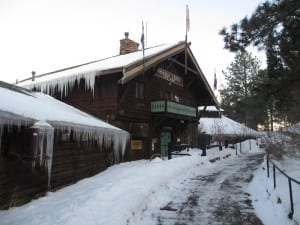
(291, 199)
(169, 152)
(268, 166)
(274, 176)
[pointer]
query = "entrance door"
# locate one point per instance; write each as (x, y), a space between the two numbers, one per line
(165, 139)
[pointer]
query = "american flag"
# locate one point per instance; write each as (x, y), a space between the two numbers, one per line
(215, 82)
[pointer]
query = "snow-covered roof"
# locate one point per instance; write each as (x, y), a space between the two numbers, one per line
(210, 108)
(19, 107)
(64, 77)
(130, 65)
(224, 126)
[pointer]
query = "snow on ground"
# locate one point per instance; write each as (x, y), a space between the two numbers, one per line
(118, 194)
(273, 205)
(266, 200)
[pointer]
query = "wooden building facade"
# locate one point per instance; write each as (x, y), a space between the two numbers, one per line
(154, 96)
(46, 144)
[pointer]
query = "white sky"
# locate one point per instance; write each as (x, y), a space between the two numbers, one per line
(45, 35)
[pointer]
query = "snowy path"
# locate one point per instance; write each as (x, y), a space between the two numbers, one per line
(214, 196)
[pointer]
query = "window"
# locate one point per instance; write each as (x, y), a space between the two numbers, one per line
(102, 88)
(139, 90)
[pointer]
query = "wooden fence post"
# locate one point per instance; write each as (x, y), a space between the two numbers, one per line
(291, 199)
(274, 176)
(268, 166)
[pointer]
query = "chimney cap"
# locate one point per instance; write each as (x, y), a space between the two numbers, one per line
(126, 35)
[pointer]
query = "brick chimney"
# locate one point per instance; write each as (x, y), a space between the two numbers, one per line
(127, 45)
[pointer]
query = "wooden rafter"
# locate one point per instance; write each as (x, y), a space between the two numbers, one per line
(182, 65)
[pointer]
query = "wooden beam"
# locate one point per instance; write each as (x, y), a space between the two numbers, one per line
(190, 83)
(182, 65)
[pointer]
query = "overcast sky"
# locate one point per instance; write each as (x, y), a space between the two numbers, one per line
(45, 35)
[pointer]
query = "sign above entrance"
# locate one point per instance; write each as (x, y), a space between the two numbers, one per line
(169, 76)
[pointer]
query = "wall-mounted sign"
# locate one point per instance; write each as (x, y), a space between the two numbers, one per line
(169, 76)
(136, 144)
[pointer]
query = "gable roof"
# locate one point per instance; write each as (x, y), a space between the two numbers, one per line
(130, 65)
(22, 107)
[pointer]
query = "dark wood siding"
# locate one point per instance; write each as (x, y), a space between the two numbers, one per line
(20, 182)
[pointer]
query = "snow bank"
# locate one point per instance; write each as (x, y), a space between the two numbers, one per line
(224, 126)
(294, 128)
(112, 197)
(273, 205)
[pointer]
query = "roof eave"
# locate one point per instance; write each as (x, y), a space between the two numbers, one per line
(132, 70)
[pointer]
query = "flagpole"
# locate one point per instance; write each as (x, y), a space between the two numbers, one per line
(187, 27)
(143, 47)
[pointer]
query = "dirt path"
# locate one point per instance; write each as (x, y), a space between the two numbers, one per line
(215, 198)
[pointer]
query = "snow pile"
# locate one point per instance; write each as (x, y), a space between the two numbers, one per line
(224, 126)
(294, 129)
(112, 197)
(273, 205)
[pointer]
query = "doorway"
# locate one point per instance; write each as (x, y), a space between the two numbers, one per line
(165, 139)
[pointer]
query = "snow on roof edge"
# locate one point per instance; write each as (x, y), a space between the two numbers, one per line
(66, 78)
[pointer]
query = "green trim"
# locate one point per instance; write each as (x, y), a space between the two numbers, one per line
(173, 107)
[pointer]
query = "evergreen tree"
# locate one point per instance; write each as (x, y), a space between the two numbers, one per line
(237, 97)
(274, 27)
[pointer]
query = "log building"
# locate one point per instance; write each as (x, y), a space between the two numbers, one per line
(153, 94)
(46, 144)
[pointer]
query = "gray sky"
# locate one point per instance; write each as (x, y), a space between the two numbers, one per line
(45, 35)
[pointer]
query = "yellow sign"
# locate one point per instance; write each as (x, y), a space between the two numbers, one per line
(136, 144)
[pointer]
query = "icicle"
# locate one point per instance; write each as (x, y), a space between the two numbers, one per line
(45, 133)
(64, 83)
(104, 137)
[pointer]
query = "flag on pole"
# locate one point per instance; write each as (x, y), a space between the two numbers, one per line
(143, 38)
(187, 19)
(215, 82)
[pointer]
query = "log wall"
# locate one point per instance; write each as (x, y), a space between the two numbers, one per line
(20, 182)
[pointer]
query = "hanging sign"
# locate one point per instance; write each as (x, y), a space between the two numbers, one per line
(169, 76)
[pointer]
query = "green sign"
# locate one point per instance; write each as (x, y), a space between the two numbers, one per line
(173, 107)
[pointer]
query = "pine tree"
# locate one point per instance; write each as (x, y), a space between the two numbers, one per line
(237, 97)
(275, 28)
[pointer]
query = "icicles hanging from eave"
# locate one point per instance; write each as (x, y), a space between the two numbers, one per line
(65, 83)
(45, 133)
(116, 139)
(9, 122)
